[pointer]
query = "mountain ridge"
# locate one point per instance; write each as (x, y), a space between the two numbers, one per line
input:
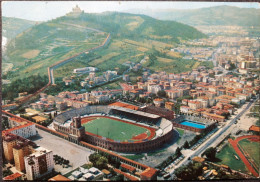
(217, 15)
(12, 26)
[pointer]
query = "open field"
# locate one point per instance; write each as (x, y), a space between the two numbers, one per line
(165, 60)
(113, 129)
(104, 58)
(31, 54)
(252, 148)
(227, 157)
(174, 54)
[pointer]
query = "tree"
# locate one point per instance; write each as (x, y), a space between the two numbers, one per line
(178, 151)
(232, 66)
(226, 115)
(7, 172)
(210, 153)
(119, 177)
(190, 171)
(186, 145)
(5, 124)
(153, 95)
(102, 163)
(161, 93)
(94, 157)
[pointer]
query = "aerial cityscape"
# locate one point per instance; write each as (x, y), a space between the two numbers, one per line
(114, 91)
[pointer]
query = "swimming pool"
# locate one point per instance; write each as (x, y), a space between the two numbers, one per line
(193, 124)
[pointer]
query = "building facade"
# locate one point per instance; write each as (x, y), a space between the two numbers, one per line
(39, 163)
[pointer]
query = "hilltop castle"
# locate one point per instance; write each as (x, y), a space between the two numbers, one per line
(76, 11)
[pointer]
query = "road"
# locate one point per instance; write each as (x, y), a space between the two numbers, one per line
(211, 140)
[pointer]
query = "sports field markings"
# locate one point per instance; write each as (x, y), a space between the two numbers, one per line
(114, 129)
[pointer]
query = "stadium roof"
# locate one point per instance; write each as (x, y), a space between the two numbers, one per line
(136, 112)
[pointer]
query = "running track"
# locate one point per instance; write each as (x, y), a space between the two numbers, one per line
(234, 144)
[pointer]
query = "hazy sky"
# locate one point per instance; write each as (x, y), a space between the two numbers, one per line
(42, 11)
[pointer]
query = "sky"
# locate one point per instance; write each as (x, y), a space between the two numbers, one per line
(44, 10)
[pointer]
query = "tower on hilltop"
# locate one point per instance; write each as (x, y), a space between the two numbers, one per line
(76, 11)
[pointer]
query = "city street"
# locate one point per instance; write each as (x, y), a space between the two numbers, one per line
(214, 138)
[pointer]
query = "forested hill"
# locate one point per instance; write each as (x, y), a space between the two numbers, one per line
(134, 26)
(218, 15)
(14, 26)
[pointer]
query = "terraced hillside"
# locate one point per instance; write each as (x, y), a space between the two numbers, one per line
(132, 37)
(34, 50)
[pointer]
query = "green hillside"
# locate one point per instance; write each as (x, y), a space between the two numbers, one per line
(13, 26)
(219, 15)
(34, 50)
(135, 26)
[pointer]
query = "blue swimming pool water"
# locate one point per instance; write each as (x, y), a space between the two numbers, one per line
(193, 124)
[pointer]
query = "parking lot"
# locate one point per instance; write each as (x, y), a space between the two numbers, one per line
(76, 154)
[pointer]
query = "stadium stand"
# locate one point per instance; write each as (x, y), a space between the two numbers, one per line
(161, 131)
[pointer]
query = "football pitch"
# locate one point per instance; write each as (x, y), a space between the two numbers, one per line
(113, 129)
(252, 148)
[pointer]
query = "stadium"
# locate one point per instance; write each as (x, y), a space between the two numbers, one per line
(119, 127)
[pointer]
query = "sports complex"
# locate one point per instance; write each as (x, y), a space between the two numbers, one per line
(116, 129)
(119, 127)
(247, 148)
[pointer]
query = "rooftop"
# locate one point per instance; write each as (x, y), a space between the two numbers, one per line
(59, 178)
(39, 118)
(131, 178)
(130, 168)
(140, 113)
(17, 128)
(125, 105)
(12, 176)
(254, 128)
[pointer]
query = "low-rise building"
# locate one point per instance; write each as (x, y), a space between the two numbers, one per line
(27, 130)
(13, 177)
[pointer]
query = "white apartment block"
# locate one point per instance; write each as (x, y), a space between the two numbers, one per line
(24, 131)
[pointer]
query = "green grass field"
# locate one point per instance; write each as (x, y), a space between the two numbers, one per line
(226, 155)
(113, 129)
(252, 148)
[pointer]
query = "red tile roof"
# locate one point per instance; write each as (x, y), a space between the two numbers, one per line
(149, 172)
(17, 119)
(16, 128)
(12, 176)
(126, 86)
(254, 128)
(121, 104)
(128, 167)
(59, 178)
(131, 178)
